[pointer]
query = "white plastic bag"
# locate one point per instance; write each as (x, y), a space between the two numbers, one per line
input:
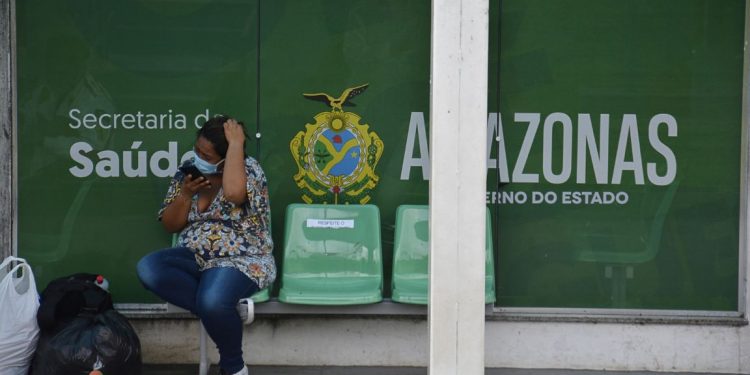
(19, 302)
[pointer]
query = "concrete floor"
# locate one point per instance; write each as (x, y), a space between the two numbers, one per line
(289, 370)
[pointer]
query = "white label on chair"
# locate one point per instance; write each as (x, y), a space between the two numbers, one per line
(324, 223)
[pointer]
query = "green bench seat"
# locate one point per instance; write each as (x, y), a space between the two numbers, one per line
(332, 255)
(410, 256)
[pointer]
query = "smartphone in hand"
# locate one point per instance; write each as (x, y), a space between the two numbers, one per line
(191, 170)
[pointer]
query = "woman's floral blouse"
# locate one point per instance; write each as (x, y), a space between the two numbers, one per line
(227, 235)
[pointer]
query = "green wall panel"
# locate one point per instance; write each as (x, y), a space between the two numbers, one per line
(672, 245)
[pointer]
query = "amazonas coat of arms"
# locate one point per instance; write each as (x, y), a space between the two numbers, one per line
(336, 155)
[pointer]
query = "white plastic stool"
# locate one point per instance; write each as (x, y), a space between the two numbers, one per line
(245, 307)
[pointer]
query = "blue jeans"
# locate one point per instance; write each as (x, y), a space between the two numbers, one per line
(212, 295)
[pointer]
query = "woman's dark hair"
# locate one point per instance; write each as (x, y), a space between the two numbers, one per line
(213, 131)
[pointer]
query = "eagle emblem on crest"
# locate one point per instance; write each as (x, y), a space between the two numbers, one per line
(336, 155)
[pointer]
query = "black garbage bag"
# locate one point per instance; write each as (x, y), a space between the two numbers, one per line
(103, 341)
(66, 297)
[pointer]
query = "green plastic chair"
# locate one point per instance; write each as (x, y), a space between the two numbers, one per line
(332, 255)
(262, 295)
(410, 257)
(619, 251)
(608, 243)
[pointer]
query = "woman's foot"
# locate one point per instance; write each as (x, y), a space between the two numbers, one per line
(241, 372)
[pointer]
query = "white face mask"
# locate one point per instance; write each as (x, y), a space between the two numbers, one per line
(206, 167)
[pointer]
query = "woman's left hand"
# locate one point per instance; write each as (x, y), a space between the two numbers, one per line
(234, 132)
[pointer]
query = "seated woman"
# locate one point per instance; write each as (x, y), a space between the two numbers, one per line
(224, 251)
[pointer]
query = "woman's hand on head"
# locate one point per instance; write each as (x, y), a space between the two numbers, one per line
(191, 186)
(234, 176)
(234, 132)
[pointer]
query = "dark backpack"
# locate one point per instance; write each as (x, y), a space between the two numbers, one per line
(68, 297)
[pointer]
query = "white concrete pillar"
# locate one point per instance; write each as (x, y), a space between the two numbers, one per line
(7, 131)
(744, 295)
(458, 115)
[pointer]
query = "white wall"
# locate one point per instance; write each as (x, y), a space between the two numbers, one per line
(619, 347)
(403, 342)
